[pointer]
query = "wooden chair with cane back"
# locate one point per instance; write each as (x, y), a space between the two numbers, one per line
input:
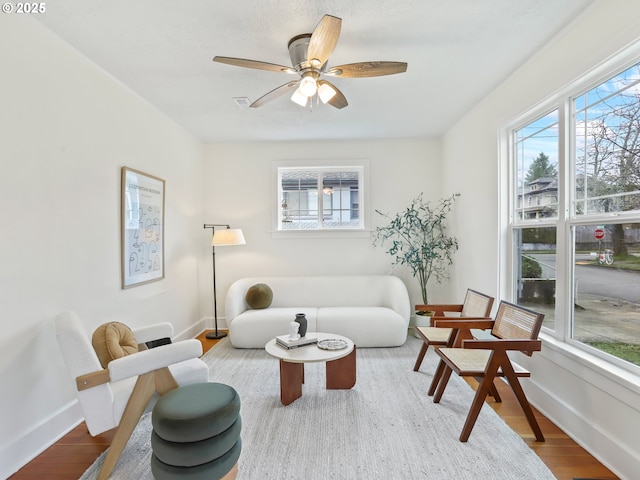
(476, 305)
(515, 328)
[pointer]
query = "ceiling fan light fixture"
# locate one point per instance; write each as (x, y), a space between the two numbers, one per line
(308, 86)
(326, 92)
(309, 55)
(299, 98)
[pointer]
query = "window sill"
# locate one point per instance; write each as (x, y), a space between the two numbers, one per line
(321, 234)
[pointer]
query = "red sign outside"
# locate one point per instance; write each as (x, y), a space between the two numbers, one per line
(599, 233)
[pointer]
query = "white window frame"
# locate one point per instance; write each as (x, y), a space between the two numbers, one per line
(364, 229)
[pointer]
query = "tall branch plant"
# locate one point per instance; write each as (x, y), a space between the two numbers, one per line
(417, 238)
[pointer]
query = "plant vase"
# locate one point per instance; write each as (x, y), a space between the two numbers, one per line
(422, 318)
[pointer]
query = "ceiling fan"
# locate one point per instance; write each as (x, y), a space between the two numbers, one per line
(309, 53)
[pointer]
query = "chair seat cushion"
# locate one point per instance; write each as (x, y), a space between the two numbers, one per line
(474, 361)
(113, 340)
(195, 412)
(217, 468)
(195, 453)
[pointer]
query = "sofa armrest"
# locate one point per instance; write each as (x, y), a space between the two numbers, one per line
(398, 297)
(235, 302)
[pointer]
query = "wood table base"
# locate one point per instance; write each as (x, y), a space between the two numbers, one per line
(291, 379)
(340, 373)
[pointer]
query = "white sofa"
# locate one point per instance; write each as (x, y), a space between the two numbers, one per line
(371, 310)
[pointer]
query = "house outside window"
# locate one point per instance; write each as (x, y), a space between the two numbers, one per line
(575, 217)
(317, 197)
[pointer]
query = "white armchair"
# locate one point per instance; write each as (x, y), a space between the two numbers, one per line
(118, 395)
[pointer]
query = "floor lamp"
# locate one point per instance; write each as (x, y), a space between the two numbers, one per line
(221, 238)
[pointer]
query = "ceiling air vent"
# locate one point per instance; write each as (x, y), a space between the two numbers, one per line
(242, 102)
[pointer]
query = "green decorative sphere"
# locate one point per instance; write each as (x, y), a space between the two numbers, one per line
(259, 296)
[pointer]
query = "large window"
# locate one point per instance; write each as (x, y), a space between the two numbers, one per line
(320, 198)
(575, 217)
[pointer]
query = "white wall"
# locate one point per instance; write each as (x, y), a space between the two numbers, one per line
(66, 130)
(600, 410)
(242, 197)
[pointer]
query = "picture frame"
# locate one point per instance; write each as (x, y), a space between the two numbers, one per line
(141, 228)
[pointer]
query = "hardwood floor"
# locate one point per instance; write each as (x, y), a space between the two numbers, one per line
(564, 457)
(75, 452)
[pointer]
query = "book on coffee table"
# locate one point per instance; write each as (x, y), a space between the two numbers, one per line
(285, 342)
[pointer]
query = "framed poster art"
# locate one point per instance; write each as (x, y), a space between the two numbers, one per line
(142, 228)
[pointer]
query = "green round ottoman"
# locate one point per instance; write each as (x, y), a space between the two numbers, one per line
(196, 432)
(195, 412)
(195, 453)
(214, 470)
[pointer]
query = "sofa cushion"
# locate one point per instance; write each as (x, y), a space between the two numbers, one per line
(259, 296)
(254, 328)
(113, 340)
(366, 326)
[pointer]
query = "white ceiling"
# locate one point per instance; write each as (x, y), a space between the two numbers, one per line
(457, 51)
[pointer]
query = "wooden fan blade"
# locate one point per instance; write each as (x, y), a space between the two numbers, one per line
(275, 93)
(338, 100)
(323, 40)
(243, 62)
(367, 69)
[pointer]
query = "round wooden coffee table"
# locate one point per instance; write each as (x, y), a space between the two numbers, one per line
(340, 365)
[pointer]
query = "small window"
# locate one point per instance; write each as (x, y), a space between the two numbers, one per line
(320, 198)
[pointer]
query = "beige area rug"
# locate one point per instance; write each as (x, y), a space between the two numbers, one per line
(384, 428)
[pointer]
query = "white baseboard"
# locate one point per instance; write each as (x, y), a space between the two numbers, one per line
(19, 452)
(207, 323)
(603, 445)
(193, 331)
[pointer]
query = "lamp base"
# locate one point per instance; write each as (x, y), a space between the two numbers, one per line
(216, 335)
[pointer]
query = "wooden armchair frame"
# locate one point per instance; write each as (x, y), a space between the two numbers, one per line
(158, 381)
(476, 306)
(515, 328)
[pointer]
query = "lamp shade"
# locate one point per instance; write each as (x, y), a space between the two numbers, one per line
(326, 92)
(228, 236)
(308, 86)
(299, 98)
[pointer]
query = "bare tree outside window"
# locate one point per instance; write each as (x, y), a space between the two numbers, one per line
(608, 146)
